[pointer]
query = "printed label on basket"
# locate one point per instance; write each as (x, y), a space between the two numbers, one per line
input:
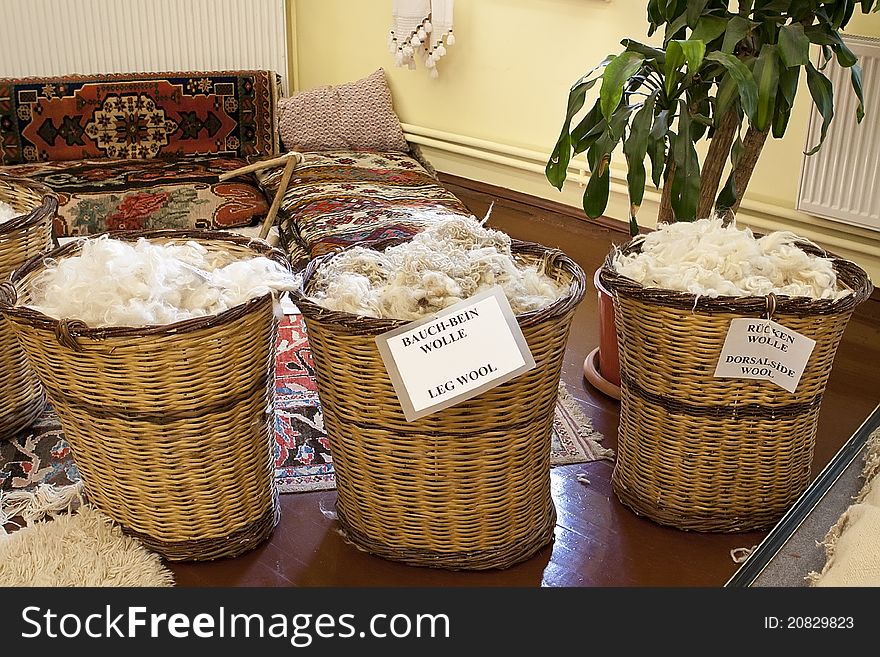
(763, 349)
(448, 357)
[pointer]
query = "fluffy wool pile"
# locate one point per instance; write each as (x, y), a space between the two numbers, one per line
(118, 283)
(7, 212)
(708, 258)
(448, 262)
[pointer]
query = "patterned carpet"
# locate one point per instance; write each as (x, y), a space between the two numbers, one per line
(302, 451)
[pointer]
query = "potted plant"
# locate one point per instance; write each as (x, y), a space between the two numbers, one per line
(725, 73)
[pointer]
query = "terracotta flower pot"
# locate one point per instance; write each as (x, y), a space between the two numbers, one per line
(602, 365)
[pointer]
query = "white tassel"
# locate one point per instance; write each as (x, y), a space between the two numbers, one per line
(429, 62)
(439, 51)
(45, 500)
(398, 57)
(450, 39)
(428, 27)
(422, 34)
(412, 65)
(415, 41)
(407, 52)
(435, 73)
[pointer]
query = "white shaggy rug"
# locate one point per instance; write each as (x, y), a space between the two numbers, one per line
(81, 549)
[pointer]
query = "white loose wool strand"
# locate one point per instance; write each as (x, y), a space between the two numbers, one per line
(707, 258)
(448, 262)
(117, 283)
(7, 212)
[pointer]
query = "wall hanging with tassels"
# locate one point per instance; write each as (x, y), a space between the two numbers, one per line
(421, 29)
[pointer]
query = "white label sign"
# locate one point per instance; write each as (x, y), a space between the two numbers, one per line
(763, 349)
(454, 355)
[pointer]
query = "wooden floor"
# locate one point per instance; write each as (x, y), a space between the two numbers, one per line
(598, 541)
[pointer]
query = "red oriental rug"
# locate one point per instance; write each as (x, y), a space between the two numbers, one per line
(40, 455)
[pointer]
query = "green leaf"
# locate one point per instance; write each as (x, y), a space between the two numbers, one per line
(556, 169)
(823, 96)
(633, 227)
(736, 150)
(694, 52)
(727, 91)
(674, 61)
(794, 46)
(839, 14)
(737, 29)
(767, 77)
(685, 190)
(709, 28)
(557, 166)
(635, 149)
(742, 76)
(856, 80)
(657, 145)
(800, 9)
(694, 10)
(617, 125)
(788, 84)
(675, 28)
(849, 10)
(589, 128)
(595, 198)
(727, 195)
(655, 15)
(771, 5)
(657, 153)
(845, 56)
(822, 34)
(780, 120)
(617, 72)
(661, 125)
(650, 53)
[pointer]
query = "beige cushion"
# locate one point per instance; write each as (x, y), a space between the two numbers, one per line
(355, 116)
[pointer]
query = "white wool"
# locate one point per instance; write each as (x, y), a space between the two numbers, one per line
(448, 262)
(707, 258)
(118, 283)
(7, 212)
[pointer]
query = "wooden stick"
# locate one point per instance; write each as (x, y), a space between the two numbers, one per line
(290, 156)
(279, 196)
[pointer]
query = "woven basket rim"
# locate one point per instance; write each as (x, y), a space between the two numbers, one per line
(48, 207)
(552, 257)
(74, 328)
(849, 273)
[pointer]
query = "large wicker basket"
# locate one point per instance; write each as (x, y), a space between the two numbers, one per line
(716, 454)
(21, 238)
(464, 488)
(170, 426)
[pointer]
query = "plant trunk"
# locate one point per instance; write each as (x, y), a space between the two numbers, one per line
(752, 145)
(716, 158)
(664, 214)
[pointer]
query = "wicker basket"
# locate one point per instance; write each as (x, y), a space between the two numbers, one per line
(170, 426)
(716, 454)
(467, 487)
(20, 239)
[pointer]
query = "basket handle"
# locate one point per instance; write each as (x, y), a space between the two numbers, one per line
(64, 335)
(8, 294)
(771, 305)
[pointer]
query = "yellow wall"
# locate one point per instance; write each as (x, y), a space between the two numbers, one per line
(495, 111)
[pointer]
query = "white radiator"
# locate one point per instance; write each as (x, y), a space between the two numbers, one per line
(842, 181)
(60, 37)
